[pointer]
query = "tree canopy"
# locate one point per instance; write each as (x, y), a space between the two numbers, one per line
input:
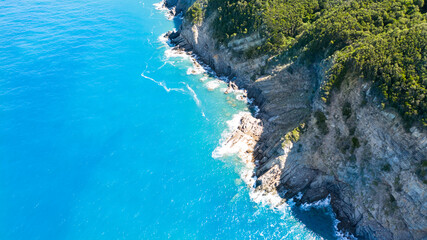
(384, 41)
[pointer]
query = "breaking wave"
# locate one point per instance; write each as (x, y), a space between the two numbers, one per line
(270, 200)
(212, 85)
(224, 148)
(162, 8)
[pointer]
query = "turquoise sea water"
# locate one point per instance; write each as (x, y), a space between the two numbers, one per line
(90, 149)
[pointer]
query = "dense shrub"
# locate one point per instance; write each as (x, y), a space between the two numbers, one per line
(346, 110)
(386, 168)
(355, 142)
(396, 62)
(295, 134)
(385, 41)
(321, 122)
(195, 13)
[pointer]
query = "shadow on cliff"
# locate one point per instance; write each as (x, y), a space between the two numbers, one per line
(285, 102)
(293, 108)
(293, 180)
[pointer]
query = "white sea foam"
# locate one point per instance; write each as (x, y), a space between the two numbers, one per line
(225, 149)
(338, 233)
(164, 41)
(240, 97)
(323, 203)
(173, 53)
(326, 204)
(272, 200)
(159, 5)
(162, 7)
(173, 56)
(176, 53)
(163, 84)
(212, 85)
(194, 95)
(149, 42)
(195, 70)
(162, 66)
(256, 110)
(343, 236)
(189, 91)
(269, 199)
(197, 100)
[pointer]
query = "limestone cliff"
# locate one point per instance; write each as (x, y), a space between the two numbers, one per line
(351, 149)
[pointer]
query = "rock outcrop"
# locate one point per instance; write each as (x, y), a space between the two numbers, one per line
(351, 149)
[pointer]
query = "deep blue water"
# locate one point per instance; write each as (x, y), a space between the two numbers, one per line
(90, 149)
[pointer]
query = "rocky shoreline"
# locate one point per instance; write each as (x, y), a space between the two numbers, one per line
(351, 150)
(244, 141)
(244, 136)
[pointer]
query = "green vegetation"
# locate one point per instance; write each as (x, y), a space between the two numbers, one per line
(391, 205)
(321, 122)
(385, 42)
(396, 62)
(421, 171)
(294, 135)
(375, 182)
(195, 13)
(346, 110)
(386, 168)
(355, 142)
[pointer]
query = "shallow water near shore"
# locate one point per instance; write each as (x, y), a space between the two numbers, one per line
(107, 134)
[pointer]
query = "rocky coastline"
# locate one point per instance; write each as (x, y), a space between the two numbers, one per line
(351, 150)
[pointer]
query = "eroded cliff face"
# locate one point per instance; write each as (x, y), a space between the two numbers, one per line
(360, 155)
(222, 59)
(351, 149)
(178, 6)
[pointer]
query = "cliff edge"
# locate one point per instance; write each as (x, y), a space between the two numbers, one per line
(351, 148)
